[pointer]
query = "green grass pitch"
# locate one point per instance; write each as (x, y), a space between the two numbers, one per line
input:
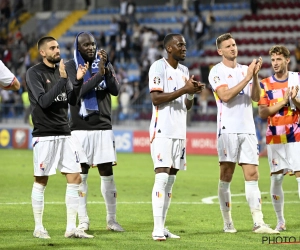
(199, 224)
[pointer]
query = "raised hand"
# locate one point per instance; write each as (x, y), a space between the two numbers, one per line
(81, 71)
(294, 91)
(250, 70)
(286, 96)
(62, 69)
(103, 56)
(257, 66)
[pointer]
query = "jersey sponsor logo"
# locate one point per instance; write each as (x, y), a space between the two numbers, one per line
(95, 63)
(217, 79)
(61, 97)
(156, 80)
(170, 78)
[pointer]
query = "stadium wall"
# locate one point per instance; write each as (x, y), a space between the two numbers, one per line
(127, 141)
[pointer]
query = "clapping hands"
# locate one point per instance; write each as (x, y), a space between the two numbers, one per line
(103, 56)
(194, 86)
(82, 70)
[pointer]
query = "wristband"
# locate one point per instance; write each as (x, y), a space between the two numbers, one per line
(190, 97)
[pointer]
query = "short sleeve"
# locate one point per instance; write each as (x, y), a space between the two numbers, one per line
(157, 76)
(216, 78)
(6, 76)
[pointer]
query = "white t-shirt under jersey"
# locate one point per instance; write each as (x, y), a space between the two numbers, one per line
(235, 116)
(168, 119)
(6, 77)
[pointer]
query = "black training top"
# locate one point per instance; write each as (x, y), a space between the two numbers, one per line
(102, 119)
(49, 95)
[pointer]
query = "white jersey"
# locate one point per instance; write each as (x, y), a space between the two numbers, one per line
(6, 77)
(235, 116)
(168, 119)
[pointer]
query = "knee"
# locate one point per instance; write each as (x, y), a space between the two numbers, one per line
(252, 176)
(226, 176)
(42, 180)
(277, 178)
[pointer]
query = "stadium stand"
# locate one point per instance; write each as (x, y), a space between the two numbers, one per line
(275, 22)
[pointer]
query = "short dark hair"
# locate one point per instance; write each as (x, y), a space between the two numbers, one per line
(168, 38)
(44, 40)
(280, 50)
(222, 38)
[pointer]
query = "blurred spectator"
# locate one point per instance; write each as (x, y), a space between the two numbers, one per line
(199, 31)
(5, 14)
(124, 97)
(196, 7)
(123, 8)
(114, 109)
(6, 102)
(185, 5)
(186, 29)
(102, 40)
(131, 6)
(118, 51)
(210, 20)
(125, 46)
(122, 24)
(136, 42)
(18, 8)
(113, 31)
(152, 53)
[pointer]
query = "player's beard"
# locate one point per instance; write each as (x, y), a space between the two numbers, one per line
(53, 60)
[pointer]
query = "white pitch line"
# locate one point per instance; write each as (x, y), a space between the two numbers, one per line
(210, 199)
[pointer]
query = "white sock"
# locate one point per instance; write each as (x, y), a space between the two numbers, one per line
(37, 201)
(225, 200)
(158, 200)
(277, 196)
(83, 191)
(253, 197)
(168, 196)
(72, 204)
(109, 193)
(298, 180)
